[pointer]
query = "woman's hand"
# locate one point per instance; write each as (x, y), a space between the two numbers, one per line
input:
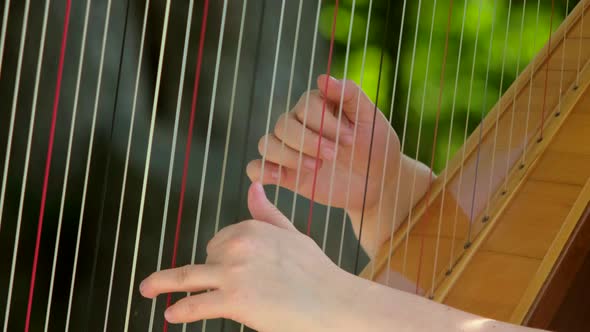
(282, 149)
(262, 273)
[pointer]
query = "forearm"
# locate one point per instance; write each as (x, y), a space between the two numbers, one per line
(380, 220)
(380, 308)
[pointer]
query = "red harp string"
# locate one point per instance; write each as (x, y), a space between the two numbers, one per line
(64, 41)
(188, 144)
(324, 105)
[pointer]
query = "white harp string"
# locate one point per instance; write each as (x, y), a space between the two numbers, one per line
(68, 159)
(289, 94)
(3, 32)
(88, 160)
(15, 95)
(448, 156)
(309, 79)
(452, 122)
(386, 159)
(564, 42)
(187, 34)
(514, 95)
(271, 98)
(422, 107)
(466, 131)
(480, 131)
(579, 71)
(208, 140)
(147, 164)
(496, 126)
(28, 153)
(126, 167)
(231, 115)
(528, 113)
(355, 131)
(340, 108)
(272, 87)
(407, 111)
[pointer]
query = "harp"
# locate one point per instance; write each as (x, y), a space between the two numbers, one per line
(126, 127)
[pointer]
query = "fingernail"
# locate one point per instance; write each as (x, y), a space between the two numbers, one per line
(334, 79)
(168, 315)
(309, 163)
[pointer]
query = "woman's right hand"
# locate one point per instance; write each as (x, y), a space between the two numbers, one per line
(283, 146)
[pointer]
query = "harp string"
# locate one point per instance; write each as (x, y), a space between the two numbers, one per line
(579, 71)
(147, 164)
(420, 122)
(289, 95)
(338, 126)
(354, 136)
(324, 105)
(390, 120)
(547, 72)
(480, 134)
(243, 160)
(188, 142)
(88, 162)
(15, 96)
(107, 171)
(187, 34)
(228, 133)
(309, 79)
(207, 145)
(7, 161)
(452, 122)
(3, 32)
(404, 135)
(431, 175)
(564, 42)
(272, 87)
(463, 156)
(513, 111)
(394, 223)
(126, 167)
(68, 157)
(528, 113)
(496, 128)
(375, 110)
(49, 153)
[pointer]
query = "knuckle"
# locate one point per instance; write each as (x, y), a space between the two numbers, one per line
(183, 274)
(300, 112)
(262, 144)
(280, 126)
(240, 296)
(241, 244)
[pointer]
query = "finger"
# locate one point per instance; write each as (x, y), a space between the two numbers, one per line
(316, 113)
(262, 209)
(209, 305)
(275, 174)
(190, 278)
(279, 153)
(353, 99)
(291, 131)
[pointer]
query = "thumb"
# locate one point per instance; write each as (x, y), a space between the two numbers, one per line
(352, 97)
(262, 209)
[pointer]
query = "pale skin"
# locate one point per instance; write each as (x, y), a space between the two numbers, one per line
(267, 275)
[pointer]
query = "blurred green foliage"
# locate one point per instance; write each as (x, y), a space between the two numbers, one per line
(490, 42)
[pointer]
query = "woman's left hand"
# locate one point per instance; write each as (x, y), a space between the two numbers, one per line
(262, 273)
